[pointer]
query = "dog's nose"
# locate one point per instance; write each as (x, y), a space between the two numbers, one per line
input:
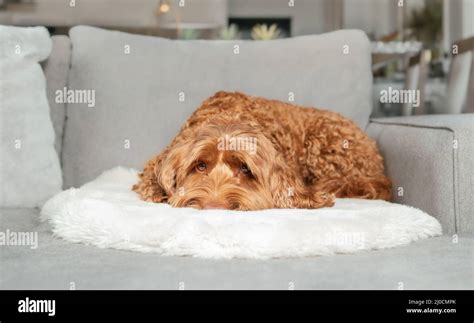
(214, 205)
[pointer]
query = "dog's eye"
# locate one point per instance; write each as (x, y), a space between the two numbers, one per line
(245, 170)
(201, 166)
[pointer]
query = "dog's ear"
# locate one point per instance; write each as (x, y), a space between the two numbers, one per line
(289, 191)
(167, 171)
(148, 187)
(283, 181)
(159, 178)
(174, 167)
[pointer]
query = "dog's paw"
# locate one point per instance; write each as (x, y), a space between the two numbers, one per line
(322, 199)
(313, 200)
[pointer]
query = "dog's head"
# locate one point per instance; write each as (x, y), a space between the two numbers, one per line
(229, 165)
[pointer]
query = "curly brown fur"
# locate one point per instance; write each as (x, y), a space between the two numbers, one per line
(304, 158)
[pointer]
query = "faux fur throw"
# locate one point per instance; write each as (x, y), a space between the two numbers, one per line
(107, 214)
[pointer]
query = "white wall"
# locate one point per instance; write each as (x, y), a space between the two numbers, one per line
(376, 17)
(199, 11)
(468, 18)
(458, 21)
(127, 13)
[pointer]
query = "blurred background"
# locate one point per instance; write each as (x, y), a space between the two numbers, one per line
(425, 45)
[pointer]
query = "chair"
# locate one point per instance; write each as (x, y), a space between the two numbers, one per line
(416, 76)
(460, 87)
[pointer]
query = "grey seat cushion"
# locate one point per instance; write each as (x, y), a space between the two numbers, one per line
(435, 263)
(138, 108)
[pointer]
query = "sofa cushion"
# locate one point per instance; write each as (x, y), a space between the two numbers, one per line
(435, 263)
(146, 87)
(29, 166)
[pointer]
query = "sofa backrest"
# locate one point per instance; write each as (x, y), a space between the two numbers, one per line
(145, 87)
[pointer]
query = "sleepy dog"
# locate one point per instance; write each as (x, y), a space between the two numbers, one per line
(241, 152)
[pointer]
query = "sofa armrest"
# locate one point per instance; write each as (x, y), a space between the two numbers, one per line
(430, 160)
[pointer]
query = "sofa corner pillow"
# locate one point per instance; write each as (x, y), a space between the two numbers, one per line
(30, 172)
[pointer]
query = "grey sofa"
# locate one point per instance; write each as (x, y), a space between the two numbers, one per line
(429, 158)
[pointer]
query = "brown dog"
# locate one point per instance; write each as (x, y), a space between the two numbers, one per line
(247, 153)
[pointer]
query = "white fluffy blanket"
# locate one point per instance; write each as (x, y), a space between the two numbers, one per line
(107, 214)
